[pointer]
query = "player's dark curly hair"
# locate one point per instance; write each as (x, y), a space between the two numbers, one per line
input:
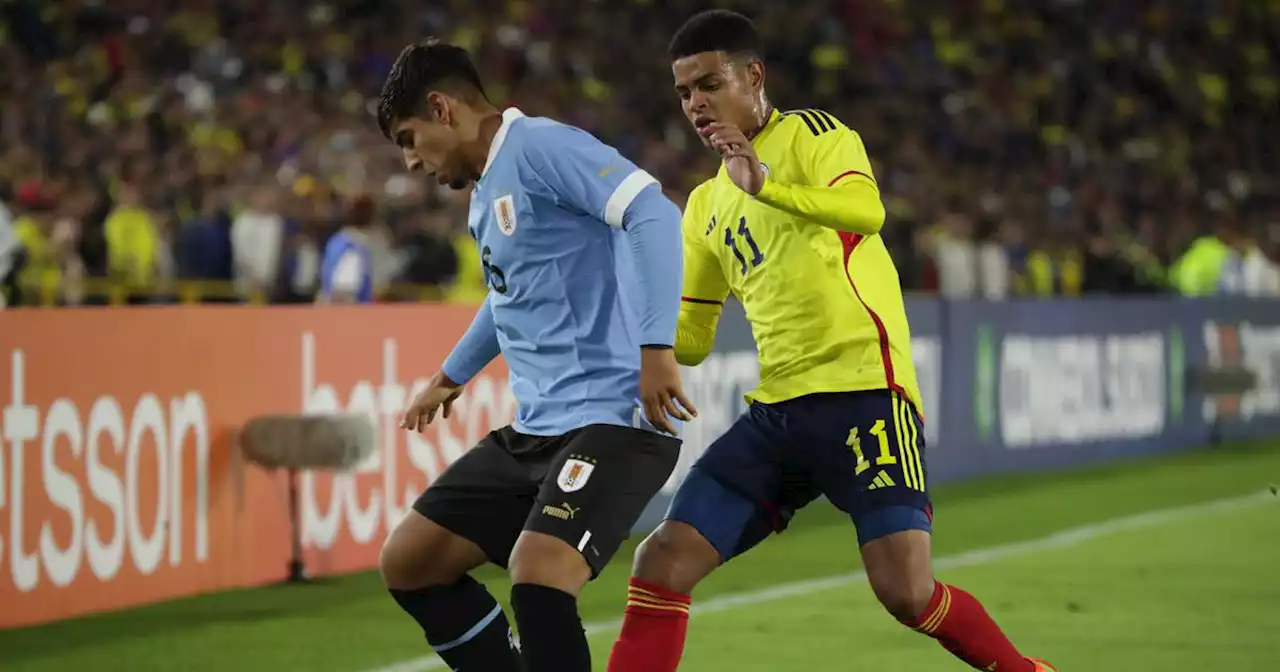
(716, 30)
(430, 65)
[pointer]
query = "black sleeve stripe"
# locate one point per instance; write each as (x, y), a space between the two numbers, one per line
(831, 121)
(818, 121)
(807, 120)
(823, 121)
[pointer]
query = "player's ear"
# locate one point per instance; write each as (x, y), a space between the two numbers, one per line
(755, 74)
(438, 108)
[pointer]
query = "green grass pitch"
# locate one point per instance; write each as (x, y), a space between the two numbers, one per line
(1196, 589)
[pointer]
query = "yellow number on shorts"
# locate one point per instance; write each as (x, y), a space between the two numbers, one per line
(855, 443)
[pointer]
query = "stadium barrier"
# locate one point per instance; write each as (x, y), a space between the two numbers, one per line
(119, 483)
(50, 292)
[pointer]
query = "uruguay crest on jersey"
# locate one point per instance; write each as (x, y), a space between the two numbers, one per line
(504, 209)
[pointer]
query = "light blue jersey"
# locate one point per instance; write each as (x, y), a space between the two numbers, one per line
(582, 255)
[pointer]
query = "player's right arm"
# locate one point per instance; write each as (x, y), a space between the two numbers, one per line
(704, 293)
(477, 347)
(841, 191)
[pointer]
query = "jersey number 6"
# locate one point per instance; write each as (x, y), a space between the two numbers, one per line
(756, 256)
(493, 276)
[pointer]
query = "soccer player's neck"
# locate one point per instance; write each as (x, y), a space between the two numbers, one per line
(478, 153)
(761, 111)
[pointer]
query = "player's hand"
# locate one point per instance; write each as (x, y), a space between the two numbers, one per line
(438, 396)
(661, 391)
(740, 160)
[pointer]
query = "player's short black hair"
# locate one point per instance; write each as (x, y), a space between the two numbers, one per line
(716, 30)
(421, 68)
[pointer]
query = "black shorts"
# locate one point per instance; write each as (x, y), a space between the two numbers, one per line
(863, 450)
(587, 487)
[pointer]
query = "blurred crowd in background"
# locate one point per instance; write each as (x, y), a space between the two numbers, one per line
(1023, 147)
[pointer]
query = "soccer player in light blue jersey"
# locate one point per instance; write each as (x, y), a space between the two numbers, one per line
(582, 256)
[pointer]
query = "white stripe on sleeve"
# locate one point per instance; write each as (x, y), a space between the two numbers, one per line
(622, 197)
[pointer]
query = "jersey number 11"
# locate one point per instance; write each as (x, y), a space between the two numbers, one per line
(756, 256)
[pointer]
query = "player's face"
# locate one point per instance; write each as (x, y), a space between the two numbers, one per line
(713, 87)
(431, 146)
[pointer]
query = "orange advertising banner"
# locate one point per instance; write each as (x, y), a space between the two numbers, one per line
(120, 480)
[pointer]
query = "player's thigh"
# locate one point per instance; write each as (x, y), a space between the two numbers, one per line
(866, 453)
(739, 491)
(729, 521)
(597, 487)
(484, 496)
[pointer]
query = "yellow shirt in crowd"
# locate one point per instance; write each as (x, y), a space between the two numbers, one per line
(41, 270)
(132, 245)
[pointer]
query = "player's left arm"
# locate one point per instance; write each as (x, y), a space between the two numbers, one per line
(591, 177)
(840, 191)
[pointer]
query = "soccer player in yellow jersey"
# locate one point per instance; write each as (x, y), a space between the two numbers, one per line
(790, 225)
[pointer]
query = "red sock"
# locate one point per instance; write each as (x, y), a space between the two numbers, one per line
(957, 620)
(653, 629)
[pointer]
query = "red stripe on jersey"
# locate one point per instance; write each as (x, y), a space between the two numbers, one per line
(848, 173)
(774, 514)
(709, 302)
(850, 241)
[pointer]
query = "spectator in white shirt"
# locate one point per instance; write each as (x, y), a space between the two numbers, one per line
(995, 261)
(1260, 274)
(257, 236)
(956, 256)
(1248, 271)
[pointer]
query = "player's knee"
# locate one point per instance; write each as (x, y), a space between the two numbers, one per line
(548, 561)
(900, 572)
(420, 554)
(675, 556)
(405, 571)
(404, 568)
(906, 598)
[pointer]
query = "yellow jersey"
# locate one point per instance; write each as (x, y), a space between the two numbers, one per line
(805, 258)
(468, 285)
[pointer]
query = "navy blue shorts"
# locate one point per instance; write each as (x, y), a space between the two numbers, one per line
(863, 450)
